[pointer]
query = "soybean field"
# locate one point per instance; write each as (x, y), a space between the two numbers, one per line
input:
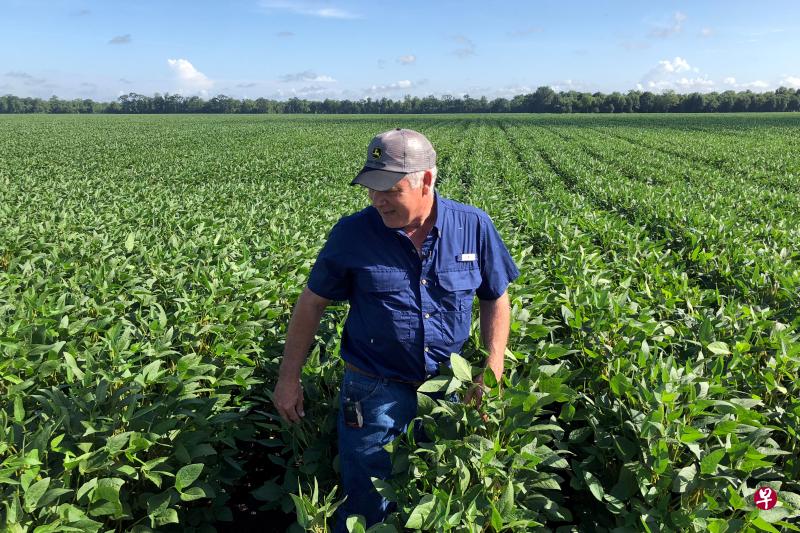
(149, 265)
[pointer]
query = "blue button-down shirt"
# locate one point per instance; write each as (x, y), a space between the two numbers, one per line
(409, 311)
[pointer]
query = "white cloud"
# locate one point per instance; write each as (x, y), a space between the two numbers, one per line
(509, 91)
(312, 91)
(706, 32)
(684, 84)
(26, 78)
(758, 84)
(392, 87)
(792, 82)
(674, 26)
(676, 65)
(407, 60)
(307, 76)
(189, 77)
(666, 76)
(309, 8)
(121, 39)
(695, 83)
(569, 85)
(731, 82)
(466, 46)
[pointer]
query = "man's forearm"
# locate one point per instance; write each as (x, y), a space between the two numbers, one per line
(495, 320)
(302, 327)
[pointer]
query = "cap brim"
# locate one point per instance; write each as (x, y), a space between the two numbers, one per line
(377, 179)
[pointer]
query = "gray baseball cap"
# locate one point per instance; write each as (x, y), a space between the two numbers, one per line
(393, 154)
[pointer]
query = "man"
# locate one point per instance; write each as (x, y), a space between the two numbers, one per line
(410, 265)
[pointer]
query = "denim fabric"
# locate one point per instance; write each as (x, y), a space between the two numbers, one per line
(388, 407)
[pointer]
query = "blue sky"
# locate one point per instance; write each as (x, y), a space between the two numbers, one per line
(355, 49)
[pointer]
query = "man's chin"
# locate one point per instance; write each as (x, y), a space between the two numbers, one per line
(392, 223)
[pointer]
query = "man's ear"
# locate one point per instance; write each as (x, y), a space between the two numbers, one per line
(427, 180)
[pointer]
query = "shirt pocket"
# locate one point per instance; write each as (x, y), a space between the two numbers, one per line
(455, 315)
(386, 315)
(381, 281)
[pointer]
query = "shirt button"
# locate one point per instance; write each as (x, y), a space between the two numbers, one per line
(424, 281)
(427, 315)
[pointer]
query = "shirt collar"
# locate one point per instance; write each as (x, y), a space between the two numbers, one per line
(439, 206)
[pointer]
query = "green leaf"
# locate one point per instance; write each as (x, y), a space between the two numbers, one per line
(72, 365)
(35, 492)
(763, 525)
(420, 513)
(300, 511)
(268, 492)
(193, 493)
(187, 475)
(594, 485)
(158, 503)
(461, 368)
(489, 379)
(167, 516)
(356, 524)
(19, 410)
(718, 348)
(496, 520)
(436, 384)
(116, 443)
(384, 489)
(425, 404)
(691, 434)
(507, 501)
(725, 427)
(685, 476)
(708, 465)
(108, 489)
(129, 242)
(14, 511)
(86, 488)
(51, 495)
(775, 514)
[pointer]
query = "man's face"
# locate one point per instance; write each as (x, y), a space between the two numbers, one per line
(400, 205)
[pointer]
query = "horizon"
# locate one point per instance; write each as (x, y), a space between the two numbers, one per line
(314, 50)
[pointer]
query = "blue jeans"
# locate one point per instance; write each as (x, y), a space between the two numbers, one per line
(387, 408)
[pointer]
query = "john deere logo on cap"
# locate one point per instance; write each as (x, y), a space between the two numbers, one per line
(376, 152)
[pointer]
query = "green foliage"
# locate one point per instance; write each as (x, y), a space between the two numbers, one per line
(148, 267)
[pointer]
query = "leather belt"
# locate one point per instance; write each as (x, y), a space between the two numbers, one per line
(353, 368)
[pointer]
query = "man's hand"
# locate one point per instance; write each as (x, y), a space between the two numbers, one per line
(288, 394)
(475, 393)
(495, 316)
(288, 399)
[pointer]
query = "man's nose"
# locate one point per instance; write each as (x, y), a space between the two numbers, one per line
(377, 198)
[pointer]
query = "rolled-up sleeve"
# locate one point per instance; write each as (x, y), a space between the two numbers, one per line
(496, 264)
(330, 277)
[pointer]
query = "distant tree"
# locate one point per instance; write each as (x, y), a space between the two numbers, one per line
(543, 100)
(693, 103)
(743, 101)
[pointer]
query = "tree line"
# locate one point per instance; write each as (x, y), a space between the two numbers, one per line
(543, 100)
